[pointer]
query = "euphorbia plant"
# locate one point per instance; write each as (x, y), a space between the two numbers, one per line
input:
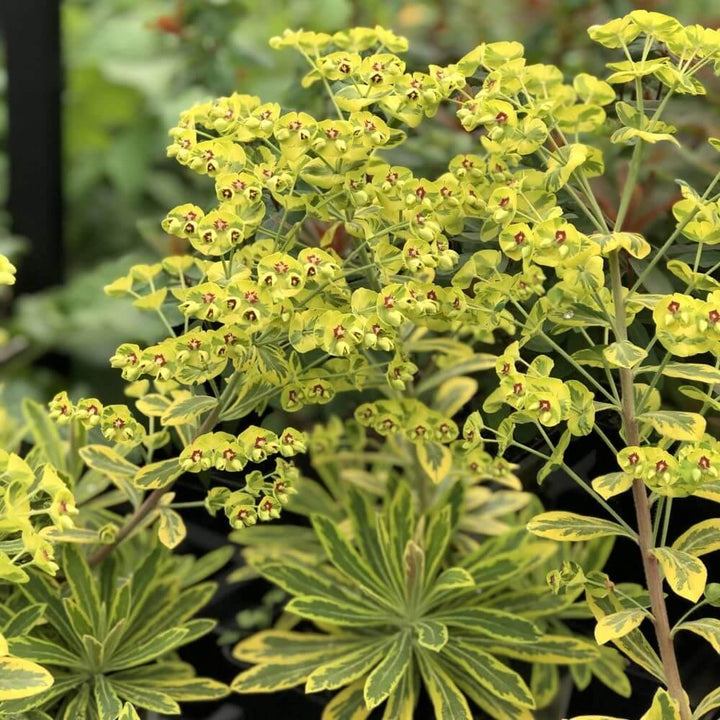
(328, 272)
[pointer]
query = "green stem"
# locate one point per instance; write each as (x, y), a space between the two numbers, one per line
(692, 610)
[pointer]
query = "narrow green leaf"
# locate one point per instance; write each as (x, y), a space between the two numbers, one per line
(710, 702)
(492, 674)
(139, 695)
(706, 628)
(341, 553)
(128, 713)
(567, 526)
(448, 702)
(387, 674)
(324, 609)
(496, 624)
(700, 539)
(346, 669)
(106, 700)
(45, 433)
(44, 651)
(82, 583)
(348, 704)
(693, 371)
(553, 649)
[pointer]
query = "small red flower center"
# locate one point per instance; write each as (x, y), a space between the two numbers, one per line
(661, 466)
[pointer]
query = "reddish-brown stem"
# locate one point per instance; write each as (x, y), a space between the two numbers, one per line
(153, 499)
(642, 510)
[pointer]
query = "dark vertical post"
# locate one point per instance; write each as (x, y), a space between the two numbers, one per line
(32, 43)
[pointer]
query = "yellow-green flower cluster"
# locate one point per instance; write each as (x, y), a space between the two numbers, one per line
(688, 326)
(537, 397)
(691, 469)
(7, 271)
(33, 504)
(116, 422)
(262, 498)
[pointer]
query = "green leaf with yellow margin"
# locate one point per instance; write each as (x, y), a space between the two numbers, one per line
(171, 529)
(323, 609)
(566, 526)
(663, 708)
(435, 459)
(544, 684)
(490, 672)
(128, 713)
(707, 628)
(693, 371)
(700, 539)
(347, 668)
(349, 704)
(453, 394)
(552, 649)
(185, 410)
(107, 702)
(634, 644)
(618, 625)
(158, 475)
(635, 244)
(107, 461)
(447, 700)
(496, 624)
(22, 678)
(676, 425)
(710, 702)
(685, 574)
(285, 647)
(45, 433)
(609, 668)
(624, 354)
(401, 701)
(431, 634)
(614, 483)
(387, 674)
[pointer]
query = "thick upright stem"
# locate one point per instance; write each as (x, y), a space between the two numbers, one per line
(642, 510)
